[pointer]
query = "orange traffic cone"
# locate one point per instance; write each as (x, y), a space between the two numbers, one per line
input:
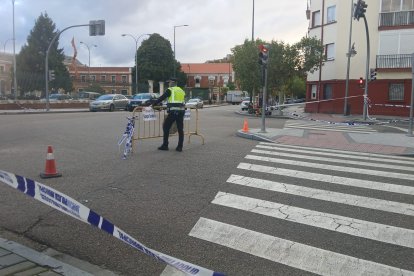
(50, 170)
(245, 126)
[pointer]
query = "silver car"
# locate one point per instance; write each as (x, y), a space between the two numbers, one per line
(194, 103)
(109, 102)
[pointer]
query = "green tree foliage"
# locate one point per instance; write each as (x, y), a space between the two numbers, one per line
(156, 62)
(31, 59)
(246, 66)
(287, 64)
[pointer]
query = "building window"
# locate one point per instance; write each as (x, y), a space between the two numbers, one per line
(330, 51)
(83, 78)
(93, 78)
(396, 5)
(1, 69)
(316, 18)
(331, 14)
(113, 91)
(124, 92)
(103, 78)
(396, 92)
(313, 91)
(113, 79)
(327, 91)
(124, 79)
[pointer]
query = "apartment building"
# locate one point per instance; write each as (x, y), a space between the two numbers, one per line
(391, 39)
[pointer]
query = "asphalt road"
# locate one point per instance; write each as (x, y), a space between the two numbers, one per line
(188, 204)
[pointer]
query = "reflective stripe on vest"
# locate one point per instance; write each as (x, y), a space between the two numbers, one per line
(177, 95)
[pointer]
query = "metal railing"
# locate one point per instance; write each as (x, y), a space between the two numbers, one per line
(393, 61)
(401, 18)
(153, 129)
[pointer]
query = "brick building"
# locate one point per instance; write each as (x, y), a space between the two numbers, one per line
(206, 80)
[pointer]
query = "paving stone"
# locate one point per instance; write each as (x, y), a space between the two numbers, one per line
(10, 259)
(12, 270)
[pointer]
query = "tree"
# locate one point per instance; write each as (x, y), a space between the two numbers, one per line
(246, 66)
(286, 64)
(31, 59)
(156, 61)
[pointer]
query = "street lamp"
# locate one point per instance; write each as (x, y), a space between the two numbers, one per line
(14, 58)
(5, 43)
(177, 26)
(136, 58)
(89, 52)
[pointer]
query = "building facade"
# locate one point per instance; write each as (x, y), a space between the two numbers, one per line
(6, 67)
(206, 80)
(391, 39)
(110, 79)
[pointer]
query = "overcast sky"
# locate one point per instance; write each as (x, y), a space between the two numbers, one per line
(215, 26)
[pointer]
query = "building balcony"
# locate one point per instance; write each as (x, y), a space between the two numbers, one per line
(392, 19)
(393, 62)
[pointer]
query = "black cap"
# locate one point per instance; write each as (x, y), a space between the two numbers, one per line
(172, 80)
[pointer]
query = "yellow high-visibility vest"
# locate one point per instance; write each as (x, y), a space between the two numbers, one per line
(177, 96)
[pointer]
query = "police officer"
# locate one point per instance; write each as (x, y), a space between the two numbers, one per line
(176, 110)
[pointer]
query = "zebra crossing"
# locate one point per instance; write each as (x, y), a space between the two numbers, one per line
(384, 190)
(326, 126)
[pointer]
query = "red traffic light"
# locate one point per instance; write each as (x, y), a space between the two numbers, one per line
(361, 82)
(263, 48)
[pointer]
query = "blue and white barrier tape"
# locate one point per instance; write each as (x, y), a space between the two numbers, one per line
(127, 137)
(73, 208)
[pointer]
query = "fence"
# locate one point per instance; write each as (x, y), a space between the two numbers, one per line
(147, 129)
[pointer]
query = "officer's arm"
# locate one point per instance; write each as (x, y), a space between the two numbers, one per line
(166, 94)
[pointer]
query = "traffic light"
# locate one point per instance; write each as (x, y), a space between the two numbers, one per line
(372, 74)
(51, 75)
(360, 9)
(361, 82)
(263, 54)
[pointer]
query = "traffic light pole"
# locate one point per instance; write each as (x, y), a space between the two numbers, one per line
(365, 110)
(410, 128)
(264, 102)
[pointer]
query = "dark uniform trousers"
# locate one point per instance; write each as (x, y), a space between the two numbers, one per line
(174, 116)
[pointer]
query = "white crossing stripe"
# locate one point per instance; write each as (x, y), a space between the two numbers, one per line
(293, 254)
(328, 127)
(353, 200)
(331, 167)
(339, 154)
(351, 226)
(320, 150)
(339, 180)
(337, 160)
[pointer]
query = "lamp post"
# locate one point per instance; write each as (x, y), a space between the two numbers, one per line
(14, 58)
(89, 53)
(177, 26)
(5, 43)
(136, 57)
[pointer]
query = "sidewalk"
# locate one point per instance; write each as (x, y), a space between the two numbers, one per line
(17, 259)
(376, 142)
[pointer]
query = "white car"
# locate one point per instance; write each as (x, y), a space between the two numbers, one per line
(244, 105)
(194, 103)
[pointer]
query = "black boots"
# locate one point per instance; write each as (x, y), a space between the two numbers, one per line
(180, 149)
(163, 147)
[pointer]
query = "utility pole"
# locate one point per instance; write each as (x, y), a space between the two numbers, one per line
(410, 128)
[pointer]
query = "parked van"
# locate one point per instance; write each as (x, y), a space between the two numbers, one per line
(85, 95)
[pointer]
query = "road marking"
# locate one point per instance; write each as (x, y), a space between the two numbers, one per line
(319, 150)
(290, 253)
(352, 200)
(328, 126)
(351, 226)
(335, 160)
(331, 167)
(354, 155)
(354, 182)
